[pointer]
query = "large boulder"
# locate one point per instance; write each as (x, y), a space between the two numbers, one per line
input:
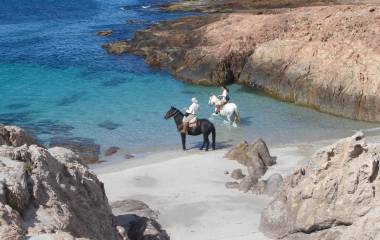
(49, 191)
(334, 197)
(255, 156)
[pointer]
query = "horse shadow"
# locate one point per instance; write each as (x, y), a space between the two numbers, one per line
(218, 145)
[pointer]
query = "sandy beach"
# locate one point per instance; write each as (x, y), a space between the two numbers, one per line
(188, 189)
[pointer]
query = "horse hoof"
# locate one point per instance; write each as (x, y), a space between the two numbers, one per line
(206, 150)
(201, 149)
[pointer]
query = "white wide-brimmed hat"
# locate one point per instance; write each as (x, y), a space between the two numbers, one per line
(194, 100)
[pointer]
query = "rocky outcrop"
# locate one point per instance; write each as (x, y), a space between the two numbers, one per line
(49, 192)
(257, 159)
(14, 136)
(46, 191)
(258, 6)
(325, 57)
(334, 197)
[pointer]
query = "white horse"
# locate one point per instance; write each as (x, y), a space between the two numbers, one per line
(229, 111)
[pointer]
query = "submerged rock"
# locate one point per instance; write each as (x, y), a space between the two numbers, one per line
(104, 33)
(109, 125)
(111, 151)
(333, 197)
(86, 148)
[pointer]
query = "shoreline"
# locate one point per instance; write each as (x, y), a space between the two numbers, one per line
(188, 190)
(151, 156)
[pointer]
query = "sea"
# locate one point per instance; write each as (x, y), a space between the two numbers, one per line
(57, 82)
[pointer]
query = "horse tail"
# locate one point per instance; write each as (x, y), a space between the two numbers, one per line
(213, 132)
(237, 117)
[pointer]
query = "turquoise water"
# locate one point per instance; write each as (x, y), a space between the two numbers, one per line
(56, 80)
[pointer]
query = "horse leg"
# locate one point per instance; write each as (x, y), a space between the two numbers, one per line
(203, 144)
(206, 140)
(183, 138)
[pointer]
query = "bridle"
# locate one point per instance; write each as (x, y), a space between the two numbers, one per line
(174, 114)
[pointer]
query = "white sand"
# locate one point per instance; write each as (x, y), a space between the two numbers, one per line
(189, 191)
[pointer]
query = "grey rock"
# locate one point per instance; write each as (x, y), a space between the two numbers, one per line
(333, 197)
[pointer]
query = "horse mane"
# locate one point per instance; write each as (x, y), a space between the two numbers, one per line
(179, 111)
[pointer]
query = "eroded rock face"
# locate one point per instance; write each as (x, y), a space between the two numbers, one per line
(46, 191)
(334, 197)
(325, 57)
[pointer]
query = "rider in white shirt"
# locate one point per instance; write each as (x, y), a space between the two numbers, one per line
(191, 113)
(225, 97)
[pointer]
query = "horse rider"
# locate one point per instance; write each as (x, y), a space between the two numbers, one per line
(190, 114)
(225, 98)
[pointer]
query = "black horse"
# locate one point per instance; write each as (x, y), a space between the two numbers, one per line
(204, 127)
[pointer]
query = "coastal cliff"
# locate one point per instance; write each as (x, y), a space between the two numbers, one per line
(324, 57)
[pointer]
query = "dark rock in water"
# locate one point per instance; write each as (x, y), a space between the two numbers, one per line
(104, 33)
(110, 151)
(187, 92)
(19, 118)
(109, 125)
(70, 99)
(50, 127)
(128, 156)
(139, 220)
(135, 21)
(18, 105)
(86, 148)
(114, 82)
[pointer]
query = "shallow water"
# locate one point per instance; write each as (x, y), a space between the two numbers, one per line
(56, 80)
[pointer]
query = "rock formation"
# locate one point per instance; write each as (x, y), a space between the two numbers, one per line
(51, 194)
(257, 159)
(334, 197)
(325, 57)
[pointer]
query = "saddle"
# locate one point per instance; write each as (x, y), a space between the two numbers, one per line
(193, 122)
